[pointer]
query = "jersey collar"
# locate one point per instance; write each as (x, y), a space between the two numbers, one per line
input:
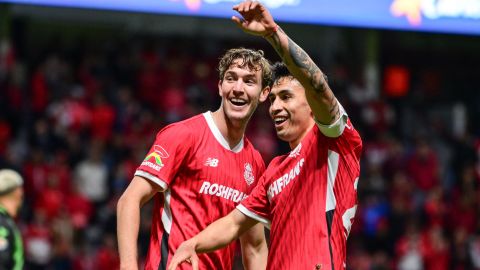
(218, 135)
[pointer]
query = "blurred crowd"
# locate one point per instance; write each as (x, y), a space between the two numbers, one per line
(76, 121)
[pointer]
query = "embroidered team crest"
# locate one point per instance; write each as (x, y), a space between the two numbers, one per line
(295, 152)
(157, 155)
(248, 174)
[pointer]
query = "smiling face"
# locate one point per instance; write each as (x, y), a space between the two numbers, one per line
(290, 111)
(241, 91)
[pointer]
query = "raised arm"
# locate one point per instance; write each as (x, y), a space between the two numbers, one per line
(135, 196)
(258, 21)
(217, 235)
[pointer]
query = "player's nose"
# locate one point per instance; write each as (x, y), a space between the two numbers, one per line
(275, 108)
(239, 87)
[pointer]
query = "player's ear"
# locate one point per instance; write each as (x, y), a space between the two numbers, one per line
(264, 93)
(220, 87)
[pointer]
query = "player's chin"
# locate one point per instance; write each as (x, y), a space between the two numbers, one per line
(243, 112)
(281, 134)
(237, 115)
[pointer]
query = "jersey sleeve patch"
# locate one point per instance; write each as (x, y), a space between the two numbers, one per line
(166, 155)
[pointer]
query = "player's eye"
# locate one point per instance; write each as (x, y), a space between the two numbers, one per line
(271, 99)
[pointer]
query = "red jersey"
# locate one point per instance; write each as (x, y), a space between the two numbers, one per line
(309, 199)
(203, 180)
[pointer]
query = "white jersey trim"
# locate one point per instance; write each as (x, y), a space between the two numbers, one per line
(218, 135)
(331, 175)
(251, 214)
(152, 178)
(335, 129)
(167, 212)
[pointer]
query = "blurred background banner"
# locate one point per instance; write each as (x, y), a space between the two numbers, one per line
(448, 16)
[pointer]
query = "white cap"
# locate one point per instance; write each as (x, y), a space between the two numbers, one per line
(9, 180)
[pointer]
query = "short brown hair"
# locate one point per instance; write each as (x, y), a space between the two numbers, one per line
(253, 59)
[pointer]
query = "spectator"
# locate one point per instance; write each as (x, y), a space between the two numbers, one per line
(91, 175)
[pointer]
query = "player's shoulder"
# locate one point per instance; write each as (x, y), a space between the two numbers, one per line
(276, 161)
(351, 134)
(249, 147)
(347, 131)
(6, 222)
(185, 127)
(349, 140)
(195, 121)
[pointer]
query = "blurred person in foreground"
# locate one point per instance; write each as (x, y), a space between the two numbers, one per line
(11, 198)
(307, 197)
(198, 170)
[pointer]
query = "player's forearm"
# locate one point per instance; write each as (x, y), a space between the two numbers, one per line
(298, 61)
(128, 223)
(254, 248)
(217, 235)
(320, 96)
(256, 260)
(222, 232)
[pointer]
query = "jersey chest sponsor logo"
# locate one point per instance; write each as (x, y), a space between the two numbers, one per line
(228, 193)
(281, 183)
(156, 156)
(296, 152)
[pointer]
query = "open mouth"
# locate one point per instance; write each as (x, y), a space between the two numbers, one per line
(238, 102)
(279, 120)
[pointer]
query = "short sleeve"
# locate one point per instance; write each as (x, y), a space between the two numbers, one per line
(256, 205)
(166, 155)
(335, 129)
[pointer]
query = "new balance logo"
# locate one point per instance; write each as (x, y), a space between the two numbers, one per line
(211, 162)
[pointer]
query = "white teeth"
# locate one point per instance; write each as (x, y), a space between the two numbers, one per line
(279, 120)
(238, 101)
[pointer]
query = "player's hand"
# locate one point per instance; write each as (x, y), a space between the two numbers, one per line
(256, 20)
(185, 253)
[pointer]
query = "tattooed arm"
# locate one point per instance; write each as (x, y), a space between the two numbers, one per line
(258, 21)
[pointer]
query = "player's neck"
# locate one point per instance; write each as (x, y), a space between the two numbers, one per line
(294, 143)
(9, 207)
(232, 132)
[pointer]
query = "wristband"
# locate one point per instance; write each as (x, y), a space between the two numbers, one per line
(275, 29)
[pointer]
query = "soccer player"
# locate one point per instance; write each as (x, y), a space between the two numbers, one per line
(307, 197)
(198, 170)
(11, 198)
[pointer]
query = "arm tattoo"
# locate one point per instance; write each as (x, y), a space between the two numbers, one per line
(334, 107)
(302, 60)
(277, 45)
(318, 80)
